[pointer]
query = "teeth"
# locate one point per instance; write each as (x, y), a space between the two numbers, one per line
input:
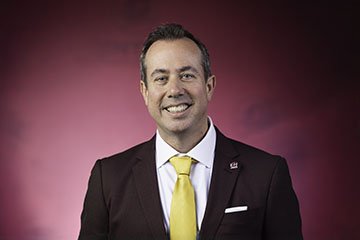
(176, 109)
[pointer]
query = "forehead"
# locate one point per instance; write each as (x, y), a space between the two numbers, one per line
(173, 54)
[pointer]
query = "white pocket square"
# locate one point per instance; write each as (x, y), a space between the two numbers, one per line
(236, 209)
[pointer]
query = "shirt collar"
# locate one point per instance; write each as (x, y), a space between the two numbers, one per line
(203, 152)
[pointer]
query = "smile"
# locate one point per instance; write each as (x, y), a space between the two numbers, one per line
(177, 108)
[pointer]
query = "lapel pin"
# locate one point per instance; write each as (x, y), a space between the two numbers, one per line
(234, 165)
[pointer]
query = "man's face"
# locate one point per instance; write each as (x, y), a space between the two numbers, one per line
(176, 94)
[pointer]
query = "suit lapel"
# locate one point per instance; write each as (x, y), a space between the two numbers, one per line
(144, 173)
(225, 173)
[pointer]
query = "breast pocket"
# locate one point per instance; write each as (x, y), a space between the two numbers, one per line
(246, 224)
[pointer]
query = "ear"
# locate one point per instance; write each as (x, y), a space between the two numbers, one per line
(144, 91)
(210, 86)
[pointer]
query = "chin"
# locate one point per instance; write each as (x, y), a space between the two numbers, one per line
(177, 128)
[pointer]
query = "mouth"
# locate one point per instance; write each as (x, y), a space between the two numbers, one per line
(177, 108)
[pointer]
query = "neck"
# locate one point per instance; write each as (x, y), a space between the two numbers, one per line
(183, 142)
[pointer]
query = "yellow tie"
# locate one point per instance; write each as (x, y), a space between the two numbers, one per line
(182, 212)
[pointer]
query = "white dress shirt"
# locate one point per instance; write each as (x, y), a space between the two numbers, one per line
(200, 175)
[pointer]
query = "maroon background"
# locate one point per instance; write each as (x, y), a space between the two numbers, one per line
(287, 82)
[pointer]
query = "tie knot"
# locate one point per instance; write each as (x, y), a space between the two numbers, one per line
(182, 165)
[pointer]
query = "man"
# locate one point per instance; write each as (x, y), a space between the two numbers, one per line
(233, 191)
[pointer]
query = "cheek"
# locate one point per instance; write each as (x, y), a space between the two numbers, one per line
(153, 99)
(203, 94)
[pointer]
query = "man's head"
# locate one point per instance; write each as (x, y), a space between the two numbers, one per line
(177, 89)
(173, 32)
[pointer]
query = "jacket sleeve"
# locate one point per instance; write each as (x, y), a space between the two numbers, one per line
(282, 216)
(94, 217)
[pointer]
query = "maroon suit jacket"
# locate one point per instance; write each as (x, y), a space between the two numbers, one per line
(123, 202)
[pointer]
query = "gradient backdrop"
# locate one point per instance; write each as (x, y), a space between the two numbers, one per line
(287, 82)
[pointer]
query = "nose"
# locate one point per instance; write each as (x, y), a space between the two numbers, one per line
(175, 88)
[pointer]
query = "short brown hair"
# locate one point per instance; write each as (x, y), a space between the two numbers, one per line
(173, 31)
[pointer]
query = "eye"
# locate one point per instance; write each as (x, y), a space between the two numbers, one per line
(160, 79)
(187, 76)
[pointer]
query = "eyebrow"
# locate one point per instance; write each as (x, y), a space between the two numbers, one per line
(159, 70)
(182, 69)
(187, 68)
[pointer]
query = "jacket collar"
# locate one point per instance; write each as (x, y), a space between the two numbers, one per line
(146, 183)
(227, 166)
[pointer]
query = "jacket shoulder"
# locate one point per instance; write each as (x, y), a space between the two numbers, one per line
(254, 161)
(121, 164)
(115, 171)
(245, 150)
(129, 155)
